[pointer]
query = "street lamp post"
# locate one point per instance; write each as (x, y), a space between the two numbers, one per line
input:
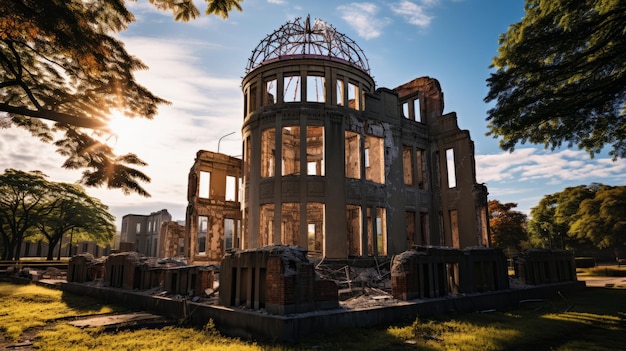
(220, 140)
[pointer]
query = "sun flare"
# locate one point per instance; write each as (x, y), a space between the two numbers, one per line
(125, 132)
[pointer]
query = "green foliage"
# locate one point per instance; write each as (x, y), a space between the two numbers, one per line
(30, 205)
(576, 216)
(60, 61)
(507, 227)
(561, 77)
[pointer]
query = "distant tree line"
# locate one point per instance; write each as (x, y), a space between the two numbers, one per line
(583, 216)
(35, 209)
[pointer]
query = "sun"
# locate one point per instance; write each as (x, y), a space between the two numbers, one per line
(124, 132)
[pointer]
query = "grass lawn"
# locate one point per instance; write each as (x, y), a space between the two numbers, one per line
(593, 319)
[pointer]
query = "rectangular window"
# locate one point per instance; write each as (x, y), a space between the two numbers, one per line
(205, 185)
(451, 165)
(291, 151)
(270, 92)
(231, 188)
(268, 144)
(407, 163)
(405, 110)
(374, 159)
(411, 238)
(292, 88)
(315, 229)
(353, 155)
(138, 229)
(340, 92)
(252, 104)
(315, 89)
(290, 226)
(315, 150)
(311, 236)
(247, 157)
(266, 232)
(203, 223)
(421, 169)
(417, 112)
(229, 230)
(354, 96)
(353, 214)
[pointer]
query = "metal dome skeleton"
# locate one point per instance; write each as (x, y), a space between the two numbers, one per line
(298, 40)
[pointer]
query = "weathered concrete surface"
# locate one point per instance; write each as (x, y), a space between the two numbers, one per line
(291, 328)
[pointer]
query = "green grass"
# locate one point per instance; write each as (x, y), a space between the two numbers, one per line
(604, 271)
(593, 319)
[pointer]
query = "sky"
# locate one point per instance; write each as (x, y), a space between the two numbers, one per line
(198, 66)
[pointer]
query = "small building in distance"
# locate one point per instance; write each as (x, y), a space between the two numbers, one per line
(141, 233)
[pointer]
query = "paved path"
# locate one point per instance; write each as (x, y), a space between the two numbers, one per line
(602, 282)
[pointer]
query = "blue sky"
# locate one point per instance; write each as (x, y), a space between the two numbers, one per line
(198, 66)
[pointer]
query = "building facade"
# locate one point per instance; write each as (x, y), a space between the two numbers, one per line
(142, 232)
(342, 168)
(213, 218)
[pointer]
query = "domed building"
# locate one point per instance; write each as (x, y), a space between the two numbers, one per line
(342, 168)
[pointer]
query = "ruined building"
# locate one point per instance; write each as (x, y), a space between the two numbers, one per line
(141, 233)
(335, 165)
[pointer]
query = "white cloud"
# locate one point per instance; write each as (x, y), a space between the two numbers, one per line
(277, 2)
(529, 164)
(363, 17)
(414, 13)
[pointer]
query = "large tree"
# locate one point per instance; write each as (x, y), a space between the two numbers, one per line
(32, 208)
(602, 219)
(68, 209)
(561, 77)
(507, 226)
(21, 198)
(60, 62)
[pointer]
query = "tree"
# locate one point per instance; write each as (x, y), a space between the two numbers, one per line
(543, 228)
(70, 209)
(508, 227)
(21, 196)
(561, 77)
(32, 207)
(59, 62)
(602, 219)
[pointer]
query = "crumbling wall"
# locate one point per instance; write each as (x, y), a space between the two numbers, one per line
(171, 234)
(206, 240)
(537, 266)
(279, 279)
(428, 272)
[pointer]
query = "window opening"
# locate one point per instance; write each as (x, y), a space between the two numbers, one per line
(353, 155)
(231, 188)
(417, 112)
(315, 89)
(407, 163)
(268, 144)
(290, 226)
(353, 214)
(292, 89)
(421, 169)
(340, 92)
(291, 151)
(229, 230)
(354, 96)
(315, 229)
(315, 150)
(247, 156)
(267, 225)
(451, 168)
(270, 92)
(205, 185)
(203, 222)
(374, 159)
(253, 93)
(405, 110)
(138, 228)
